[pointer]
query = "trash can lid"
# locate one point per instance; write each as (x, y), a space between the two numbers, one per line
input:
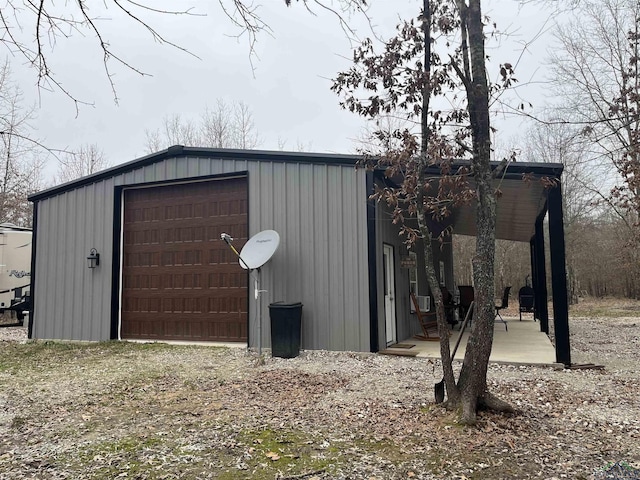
(285, 305)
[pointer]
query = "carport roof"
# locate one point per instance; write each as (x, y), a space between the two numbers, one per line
(522, 200)
(519, 206)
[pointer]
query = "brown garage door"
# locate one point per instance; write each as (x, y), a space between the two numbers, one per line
(180, 281)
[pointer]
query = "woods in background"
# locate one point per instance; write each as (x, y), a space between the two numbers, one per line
(600, 262)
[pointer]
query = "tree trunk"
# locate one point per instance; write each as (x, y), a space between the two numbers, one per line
(432, 279)
(434, 286)
(473, 377)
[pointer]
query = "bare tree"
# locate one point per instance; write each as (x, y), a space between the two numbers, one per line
(20, 162)
(597, 261)
(559, 142)
(174, 131)
(602, 265)
(224, 126)
(300, 146)
(244, 133)
(227, 126)
(597, 74)
(86, 160)
(33, 29)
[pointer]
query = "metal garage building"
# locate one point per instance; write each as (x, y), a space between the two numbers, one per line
(164, 273)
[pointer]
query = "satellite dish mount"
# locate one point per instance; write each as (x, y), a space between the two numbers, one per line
(256, 252)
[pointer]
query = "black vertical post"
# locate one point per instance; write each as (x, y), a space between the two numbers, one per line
(540, 285)
(534, 275)
(32, 278)
(115, 264)
(559, 276)
(373, 264)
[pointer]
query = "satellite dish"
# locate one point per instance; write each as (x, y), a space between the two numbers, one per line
(259, 249)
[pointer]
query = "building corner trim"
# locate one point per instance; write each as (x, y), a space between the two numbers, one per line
(371, 254)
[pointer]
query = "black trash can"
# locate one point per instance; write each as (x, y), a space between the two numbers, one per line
(286, 319)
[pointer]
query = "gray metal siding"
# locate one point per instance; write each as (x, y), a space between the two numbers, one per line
(386, 232)
(319, 211)
(72, 301)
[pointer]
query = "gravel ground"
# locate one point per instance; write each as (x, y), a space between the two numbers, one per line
(13, 334)
(120, 410)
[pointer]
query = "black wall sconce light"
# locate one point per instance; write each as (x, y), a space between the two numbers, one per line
(93, 260)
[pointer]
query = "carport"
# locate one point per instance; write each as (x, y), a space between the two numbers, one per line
(528, 193)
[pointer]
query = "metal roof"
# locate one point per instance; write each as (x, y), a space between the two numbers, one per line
(518, 208)
(520, 203)
(181, 151)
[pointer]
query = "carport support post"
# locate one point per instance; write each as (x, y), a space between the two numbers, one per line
(540, 276)
(534, 276)
(559, 275)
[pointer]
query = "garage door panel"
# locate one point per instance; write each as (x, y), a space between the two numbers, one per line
(186, 329)
(238, 232)
(141, 279)
(180, 281)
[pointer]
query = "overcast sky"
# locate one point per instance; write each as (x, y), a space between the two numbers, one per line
(287, 89)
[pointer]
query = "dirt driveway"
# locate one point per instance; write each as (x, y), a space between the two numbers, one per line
(121, 410)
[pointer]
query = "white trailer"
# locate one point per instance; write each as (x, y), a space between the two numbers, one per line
(15, 269)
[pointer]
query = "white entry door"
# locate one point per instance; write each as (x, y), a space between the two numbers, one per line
(389, 294)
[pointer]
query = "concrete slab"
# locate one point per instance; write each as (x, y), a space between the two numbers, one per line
(523, 344)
